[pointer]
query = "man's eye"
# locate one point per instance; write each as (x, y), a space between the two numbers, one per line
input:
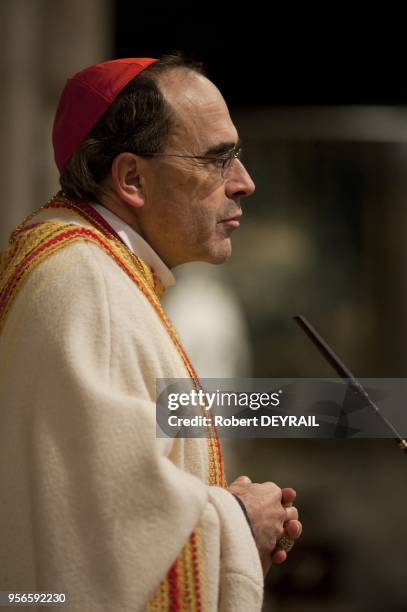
(217, 162)
(221, 161)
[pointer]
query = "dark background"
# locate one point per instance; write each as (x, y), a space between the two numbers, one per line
(265, 55)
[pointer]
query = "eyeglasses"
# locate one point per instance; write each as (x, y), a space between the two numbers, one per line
(224, 162)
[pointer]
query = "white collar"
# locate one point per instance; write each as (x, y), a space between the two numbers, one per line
(138, 245)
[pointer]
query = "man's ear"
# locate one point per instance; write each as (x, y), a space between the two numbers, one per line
(127, 179)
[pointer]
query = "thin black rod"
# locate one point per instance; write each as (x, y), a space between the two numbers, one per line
(345, 373)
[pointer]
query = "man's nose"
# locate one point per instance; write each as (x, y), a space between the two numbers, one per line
(239, 183)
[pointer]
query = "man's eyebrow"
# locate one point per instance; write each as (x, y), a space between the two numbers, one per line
(223, 147)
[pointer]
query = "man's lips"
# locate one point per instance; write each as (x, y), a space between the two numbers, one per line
(232, 222)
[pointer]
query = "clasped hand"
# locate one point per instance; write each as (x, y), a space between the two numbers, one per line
(271, 514)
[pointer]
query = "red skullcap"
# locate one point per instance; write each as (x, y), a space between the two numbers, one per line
(86, 96)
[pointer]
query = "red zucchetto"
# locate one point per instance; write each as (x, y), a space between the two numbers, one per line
(86, 96)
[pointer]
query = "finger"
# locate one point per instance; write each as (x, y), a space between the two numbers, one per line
(288, 496)
(242, 480)
(279, 556)
(291, 513)
(293, 529)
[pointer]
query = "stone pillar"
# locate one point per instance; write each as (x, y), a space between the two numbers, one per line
(42, 43)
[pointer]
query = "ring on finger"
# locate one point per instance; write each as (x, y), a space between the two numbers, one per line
(286, 543)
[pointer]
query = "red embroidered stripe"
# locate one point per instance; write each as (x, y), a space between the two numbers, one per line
(220, 457)
(196, 572)
(175, 604)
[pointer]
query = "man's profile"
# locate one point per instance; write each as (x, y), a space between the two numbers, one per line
(94, 504)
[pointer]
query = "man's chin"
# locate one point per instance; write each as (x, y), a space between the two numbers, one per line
(221, 253)
(216, 254)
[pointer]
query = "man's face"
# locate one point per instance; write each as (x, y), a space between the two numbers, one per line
(188, 203)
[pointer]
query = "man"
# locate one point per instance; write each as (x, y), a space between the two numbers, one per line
(93, 503)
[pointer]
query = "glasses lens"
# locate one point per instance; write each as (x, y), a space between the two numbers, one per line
(228, 161)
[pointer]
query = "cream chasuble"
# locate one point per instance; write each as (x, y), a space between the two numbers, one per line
(92, 504)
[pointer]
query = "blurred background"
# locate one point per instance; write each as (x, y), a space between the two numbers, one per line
(324, 126)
